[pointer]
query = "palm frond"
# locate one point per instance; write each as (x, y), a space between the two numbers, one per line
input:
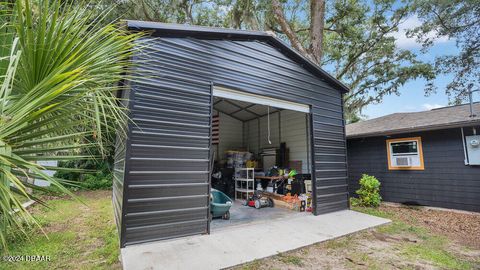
(59, 73)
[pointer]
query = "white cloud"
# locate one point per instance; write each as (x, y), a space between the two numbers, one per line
(404, 42)
(428, 106)
(409, 108)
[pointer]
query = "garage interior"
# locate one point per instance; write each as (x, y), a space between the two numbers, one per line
(261, 155)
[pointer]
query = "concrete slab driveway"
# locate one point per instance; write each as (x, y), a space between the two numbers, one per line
(241, 244)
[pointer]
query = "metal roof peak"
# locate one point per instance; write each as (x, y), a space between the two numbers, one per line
(180, 30)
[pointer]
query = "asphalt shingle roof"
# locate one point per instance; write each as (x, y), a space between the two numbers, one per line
(441, 118)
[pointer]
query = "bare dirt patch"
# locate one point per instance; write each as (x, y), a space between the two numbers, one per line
(463, 228)
(416, 239)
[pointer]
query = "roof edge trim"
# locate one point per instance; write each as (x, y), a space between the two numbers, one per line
(419, 129)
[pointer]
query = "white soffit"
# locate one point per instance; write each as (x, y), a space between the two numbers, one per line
(257, 99)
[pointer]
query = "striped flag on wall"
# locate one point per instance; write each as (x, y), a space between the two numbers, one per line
(215, 129)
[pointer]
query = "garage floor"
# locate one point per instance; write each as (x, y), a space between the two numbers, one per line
(241, 215)
(243, 243)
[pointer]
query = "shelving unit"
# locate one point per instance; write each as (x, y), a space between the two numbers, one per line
(245, 182)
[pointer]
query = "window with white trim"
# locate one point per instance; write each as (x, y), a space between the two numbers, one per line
(405, 154)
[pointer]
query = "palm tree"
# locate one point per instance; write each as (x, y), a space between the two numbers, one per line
(59, 71)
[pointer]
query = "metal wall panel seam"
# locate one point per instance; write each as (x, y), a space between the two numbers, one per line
(136, 186)
(247, 83)
(177, 60)
(146, 213)
(314, 178)
(346, 150)
(210, 156)
(261, 82)
(164, 225)
(229, 58)
(131, 101)
(169, 111)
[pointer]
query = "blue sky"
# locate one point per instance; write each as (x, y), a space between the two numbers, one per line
(412, 96)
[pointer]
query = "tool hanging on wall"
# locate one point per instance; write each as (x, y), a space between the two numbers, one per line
(268, 124)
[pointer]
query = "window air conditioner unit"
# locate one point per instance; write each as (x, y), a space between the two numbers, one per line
(403, 161)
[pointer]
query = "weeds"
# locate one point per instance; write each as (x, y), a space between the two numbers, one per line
(290, 259)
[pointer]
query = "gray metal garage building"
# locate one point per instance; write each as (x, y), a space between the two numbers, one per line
(162, 169)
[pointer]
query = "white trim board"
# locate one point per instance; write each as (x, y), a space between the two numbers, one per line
(258, 99)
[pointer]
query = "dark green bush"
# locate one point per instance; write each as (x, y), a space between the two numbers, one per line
(99, 177)
(369, 192)
(96, 173)
(97, 181)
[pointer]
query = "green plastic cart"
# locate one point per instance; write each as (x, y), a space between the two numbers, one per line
(220, 204)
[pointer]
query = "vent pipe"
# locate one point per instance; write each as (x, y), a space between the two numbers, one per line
(472, 114)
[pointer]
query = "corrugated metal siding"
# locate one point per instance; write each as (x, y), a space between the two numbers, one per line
(252, 141)
(330, 158)
(118, 178)
(294, 132)
(172, 106)
(445, 182)
(231, 134)
(119, 170)
(168, 176)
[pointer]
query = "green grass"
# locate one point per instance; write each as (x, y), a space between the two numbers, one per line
(21, 198)
(434, 250)
(373, 211)
(255, 265)
(80, 236)
(290, 259)
(364, 258)
(339, 243)
(429, 247)
(398, 227)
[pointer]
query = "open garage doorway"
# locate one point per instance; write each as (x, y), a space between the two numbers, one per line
(261, 158)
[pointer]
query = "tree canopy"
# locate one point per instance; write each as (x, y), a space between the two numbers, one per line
(458, 20)
(353, 40)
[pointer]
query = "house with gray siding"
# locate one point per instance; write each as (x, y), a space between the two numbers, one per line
(429, 158)
(263, 94)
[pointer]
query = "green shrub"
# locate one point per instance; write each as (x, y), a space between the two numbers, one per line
(99, 180)
(99, 175)
(369, 192)
(355, 201)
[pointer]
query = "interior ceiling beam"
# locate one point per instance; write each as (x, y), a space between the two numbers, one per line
(277, 111)
(247, 97)
(244, 108)
(256, 114)
(233, 104)
(234, 117)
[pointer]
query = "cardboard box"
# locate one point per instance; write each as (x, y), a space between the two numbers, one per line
(295, 206)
